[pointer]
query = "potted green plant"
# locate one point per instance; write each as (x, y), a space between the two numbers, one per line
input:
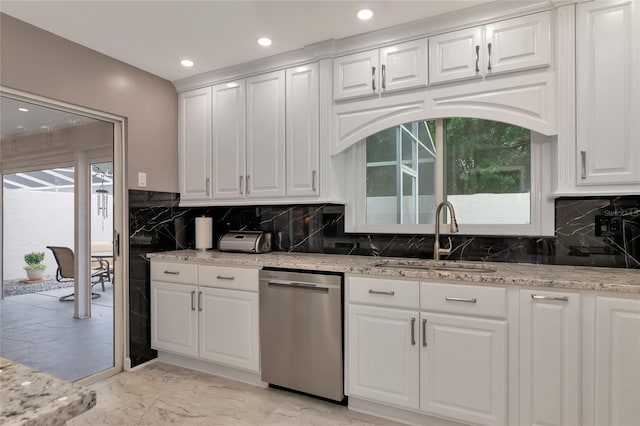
(35, 268)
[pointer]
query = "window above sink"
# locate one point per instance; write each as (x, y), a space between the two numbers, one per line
(495, 175)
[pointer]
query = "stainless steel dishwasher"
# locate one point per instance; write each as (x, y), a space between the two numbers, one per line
(301, 332)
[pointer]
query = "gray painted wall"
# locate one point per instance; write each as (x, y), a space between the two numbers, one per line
(38, 62)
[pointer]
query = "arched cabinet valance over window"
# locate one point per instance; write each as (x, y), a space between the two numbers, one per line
(526, 100)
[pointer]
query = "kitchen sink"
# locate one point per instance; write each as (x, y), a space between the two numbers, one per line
(433, 265)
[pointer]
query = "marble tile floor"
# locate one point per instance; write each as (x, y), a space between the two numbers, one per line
(162, 394)
(39, 331)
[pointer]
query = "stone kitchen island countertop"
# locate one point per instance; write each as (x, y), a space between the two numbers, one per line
(617, 280)
(33, 398)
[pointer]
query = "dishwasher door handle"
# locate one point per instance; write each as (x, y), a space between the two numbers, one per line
(294, 284)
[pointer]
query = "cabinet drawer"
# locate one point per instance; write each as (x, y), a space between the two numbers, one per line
(174, 272)
(464, 299)
(384, 292)
(228, 277)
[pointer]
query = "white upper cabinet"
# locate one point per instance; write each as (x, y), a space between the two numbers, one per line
(455, 56)
(228, 140)
(398, 67)
(303, 134)
(608, 92)
(195, 144)
(266, 136)
(403, 66)
(355, 75)
(505, 46)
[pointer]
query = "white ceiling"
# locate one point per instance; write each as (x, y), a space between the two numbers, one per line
(155, 35)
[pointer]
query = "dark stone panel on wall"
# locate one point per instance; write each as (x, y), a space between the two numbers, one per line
(151, 228)
(602, 231)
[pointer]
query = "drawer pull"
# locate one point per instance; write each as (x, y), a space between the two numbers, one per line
(222, 277)
(459, 299)
(413, 331)
(172, 272)
(386, 293)
(557, 298)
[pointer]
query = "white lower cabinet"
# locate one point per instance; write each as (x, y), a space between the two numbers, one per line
(463, 368)
(617, 362)
(383, 355)
(190, 317)
(174, 320)
(450, 366)
(229, 327)
(549, 358)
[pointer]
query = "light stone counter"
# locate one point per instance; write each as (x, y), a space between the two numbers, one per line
(616, 280)
(33, 398)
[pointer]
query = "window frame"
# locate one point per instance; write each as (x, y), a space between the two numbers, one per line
(542, 205)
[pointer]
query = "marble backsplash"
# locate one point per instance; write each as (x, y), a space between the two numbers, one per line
(603, 231)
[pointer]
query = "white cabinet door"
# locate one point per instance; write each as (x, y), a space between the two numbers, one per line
(608, 92)
(195, 144)
(303, 134)
(403, 66)
(174, 320)
(265, 175)
(229, 327)
(383, 355)
(617, 378)
(228, 140)
(455, 55)
(505, 46)
(463, 368)
(549, 358)
(355, 75)
(517, 44)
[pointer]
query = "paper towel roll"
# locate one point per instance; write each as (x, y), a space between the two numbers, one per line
(204, 233)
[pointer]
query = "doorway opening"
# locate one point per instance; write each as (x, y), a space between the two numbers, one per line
(62, 205)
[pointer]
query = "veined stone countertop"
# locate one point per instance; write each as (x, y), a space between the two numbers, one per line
(33, 398)
(617, 280)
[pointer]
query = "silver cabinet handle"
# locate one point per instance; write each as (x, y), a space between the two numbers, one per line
(477, 58)
(193, 300)
(207, 181)
(373, 78)
(241, 180)
(583, 159)
(413, 331)
(384, 77)
(424, 333)
(489, 48)
(200, 301)
(172, 272)
(248, 184)
(222, 277)
(459, 299)
(386, 293)
(557, 298)
(313, 180)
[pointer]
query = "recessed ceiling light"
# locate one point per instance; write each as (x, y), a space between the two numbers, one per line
(186, 63)
(230, 85)
(23, 109)
(365, 14)
(264, 41)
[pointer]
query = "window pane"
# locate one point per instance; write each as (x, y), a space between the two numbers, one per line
(384, 173)
(488, 171)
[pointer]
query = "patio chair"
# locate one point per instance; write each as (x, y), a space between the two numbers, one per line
(65, 258)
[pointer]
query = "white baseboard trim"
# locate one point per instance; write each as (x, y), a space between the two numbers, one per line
(211, 368)
(396, 414)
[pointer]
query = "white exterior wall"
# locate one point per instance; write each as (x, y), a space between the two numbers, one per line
(474, 208)
(34, 220)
